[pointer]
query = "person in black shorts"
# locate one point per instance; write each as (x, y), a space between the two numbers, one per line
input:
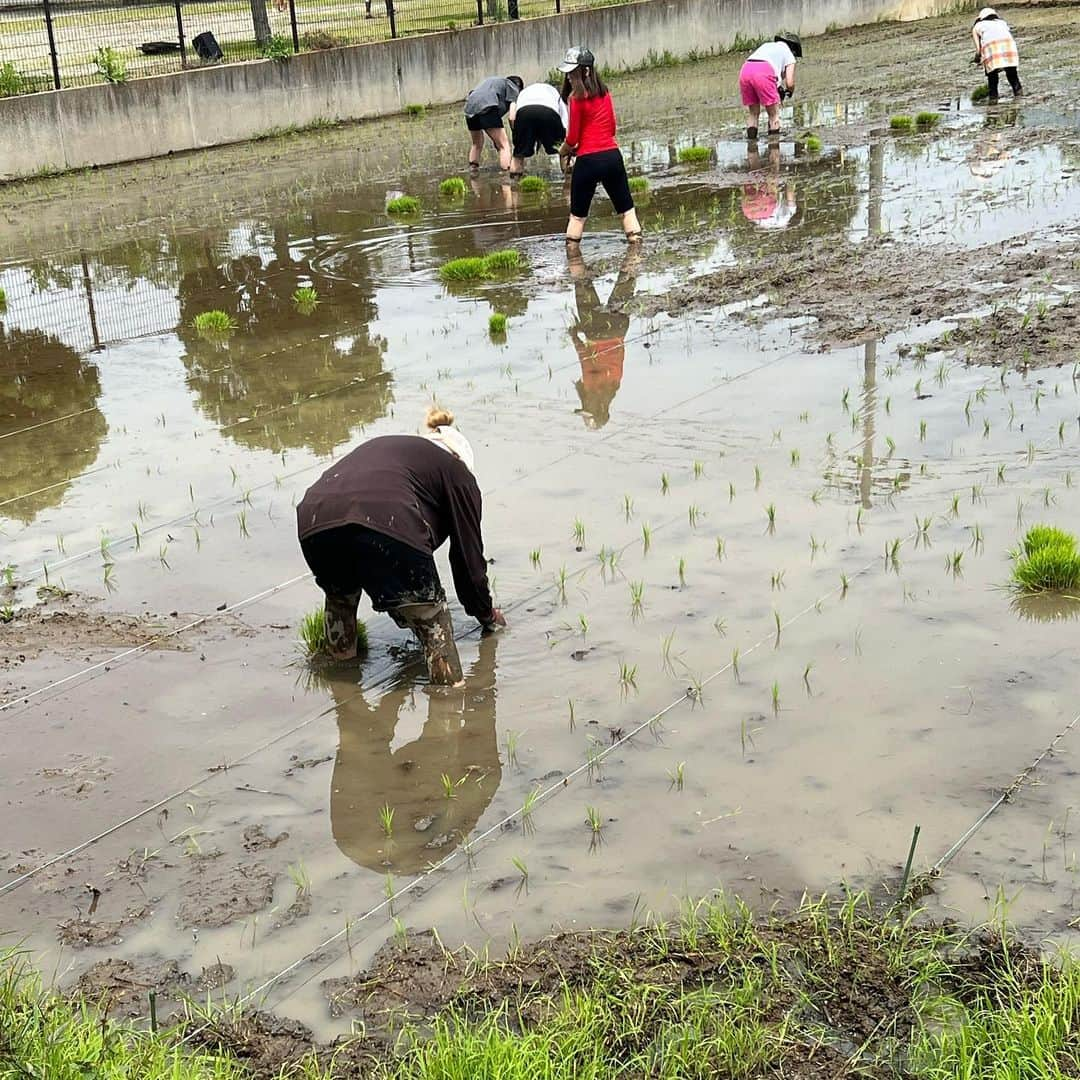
(540, 119)
(485, 108)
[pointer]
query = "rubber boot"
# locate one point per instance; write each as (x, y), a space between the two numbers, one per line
(431, 624)
(339, 616)
(751, 134)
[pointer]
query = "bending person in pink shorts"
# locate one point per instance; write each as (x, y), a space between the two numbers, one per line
(766, 78)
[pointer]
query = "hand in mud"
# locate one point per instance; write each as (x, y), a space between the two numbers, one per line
(496, 621)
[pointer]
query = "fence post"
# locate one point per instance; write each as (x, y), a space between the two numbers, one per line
(52, 44)
(292, 23)
(392, 16)
(479, 12)
(180, 33)
(558, 7)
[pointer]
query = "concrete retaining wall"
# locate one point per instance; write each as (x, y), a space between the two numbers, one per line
(101, 125)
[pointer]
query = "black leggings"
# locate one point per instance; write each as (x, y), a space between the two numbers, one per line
(605, 168)
(1010, 73)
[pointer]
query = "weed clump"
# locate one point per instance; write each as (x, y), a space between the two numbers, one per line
(497, 324)
(403, 204)
(695, 155)
(453, 187)
(318, 40)
(214, 324)
(416, 110)
(312, 635)
(901, 123)
(279, 47)
(11, 80)
(927, 120)
(110, 65)
(533, 184)
(1047, 561)
(639, 185)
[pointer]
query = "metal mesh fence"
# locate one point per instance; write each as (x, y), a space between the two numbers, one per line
(49, 44)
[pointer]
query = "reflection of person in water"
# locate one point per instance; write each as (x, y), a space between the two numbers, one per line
(770, 201)
(376, 767)
(599, 337)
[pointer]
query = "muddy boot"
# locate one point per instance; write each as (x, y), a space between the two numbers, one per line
(751, 134)
(433, 628)
(774, 135)
(340, 619)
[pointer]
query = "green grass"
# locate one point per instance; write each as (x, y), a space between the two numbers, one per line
(533, 183)
(453, 187)
(1047, 562)
(214, 322)
(980, 93)
(312, 635)
(927, 120)
(713, 992)
(639, 185)
(695, 155)
(497, 324)
(416, 111)
(901, 123)
(403, 204)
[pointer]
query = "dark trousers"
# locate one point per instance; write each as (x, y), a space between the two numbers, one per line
(1010, 73)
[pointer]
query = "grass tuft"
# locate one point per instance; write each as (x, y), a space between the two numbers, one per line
(927, 120)
(403, 204)
(639, 185)
(478, 268)
(695, 155)
(1048, 561)
(415, 110)
(901, 123)
(453, 187)
(497, 324)
(312, 635)
(502, 262)
(214, 323)
(306, 299)
(533, 184)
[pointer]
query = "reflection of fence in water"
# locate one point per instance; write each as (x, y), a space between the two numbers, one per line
(55, 43)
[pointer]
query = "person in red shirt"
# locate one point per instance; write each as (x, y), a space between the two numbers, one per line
(591, 140)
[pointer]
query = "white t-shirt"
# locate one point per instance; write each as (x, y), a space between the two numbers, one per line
(544, 94)
(775, 52)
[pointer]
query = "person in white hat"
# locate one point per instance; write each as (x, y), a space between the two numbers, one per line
(995, 49)
(371, 524)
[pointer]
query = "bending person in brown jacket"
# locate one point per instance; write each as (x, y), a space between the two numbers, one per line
(371, 524)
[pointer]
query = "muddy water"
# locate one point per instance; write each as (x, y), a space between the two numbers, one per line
(231, 802)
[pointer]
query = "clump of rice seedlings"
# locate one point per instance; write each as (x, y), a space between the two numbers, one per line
(300, 878)
(214, 325)
(594, 762)
(497, 322)
(954, 564)
(637, 599)
(757, 477)
(511, 748)
(502, 262)
(534, 558)
(735, 662)
(795, 459)
(596, 825)
(306, 299)
(1001, 473)
(639, 185)
(844, 584)
(528, 826)
(453, 187)
(695, 155)
(980, 93)
(777, 580)
(3, 300)
(470, 268)
(403, 204)
(892, 553)
(682, 573)
(628, 507)
(922, 431)
(646, 537)
(954, 506)
(677, 777)
(583, 625)
(927, 120)
(312, 634)
(1048, 561)
(449, 786)
(730, 491)
(901, 123)
(694, 514)
(627, 677)
(699, 469)
(976, 537)
(812, 144)
(523, 870)
(579, 533)
(416, 110)
(386, 820)
(535, 184)
(560, 584)
(665, 483)
(721, 548)
(770, 514)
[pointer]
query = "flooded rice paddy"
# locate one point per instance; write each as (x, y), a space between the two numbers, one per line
(753, 557)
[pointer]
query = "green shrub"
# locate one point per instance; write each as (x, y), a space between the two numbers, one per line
(453, 187)
(279, 47)
(497, 324)
(533, 183)
(639, 185)
(901, 123)
(110, 65)
(313, 634)
(11, 81)
(812, 144)
(695, 155)
(214, 322)
(1048, 560)
(927, 119)
(980, 93)
(403, 204)
(416, 110)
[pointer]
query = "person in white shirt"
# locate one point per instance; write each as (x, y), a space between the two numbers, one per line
(541, 120)
(766, 78)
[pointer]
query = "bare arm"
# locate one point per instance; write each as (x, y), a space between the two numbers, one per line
(789, 77)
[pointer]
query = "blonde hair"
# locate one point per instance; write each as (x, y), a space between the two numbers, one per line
(438, 417)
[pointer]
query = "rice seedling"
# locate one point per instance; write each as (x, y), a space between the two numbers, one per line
(922, 431)
(595, 823)
(1031, 452)
(757, 477)
(453, 187)
(583, 625)
(721, 548)
(502, 262)
(403, 204)
(560, 584)
(573, 717)
(682, 573)
(1019, 512)
(844, 585)
(901, 123)
(241, 520)
(214, 324)
(892, 554)
(779, 626)
(470, 268)
(770, 513)
(534, 558)
(594, 762)
(300, 878)
(162, 552)
(528, 826)
(776, 580)
(665, 484)
(306, 299)
(815, 496)
(976, 537)
(8, 574)
(312, 634)
(1068, 479)
(628, 507)
(777, 435)
(637, 596)
(699, 469)
(627, 677)
(927, 120)
(845, 399)
(639, 185)
(720, 627)
(1001, 473)
(694, 515)
(646, 537)
(980, 93)
(730, 491)
(523, 870)
(497, 323)
(579, 533)
(386, 820)
(954, 506)
(535, 185)
(511, 744)
(775, 698)
(103, 545)
(666, 643)
(677, 777)
(1047, 561)
(695, 155)
(806, 676)
(858, 519)
(735, 663)
(954, 564)
(813, 144)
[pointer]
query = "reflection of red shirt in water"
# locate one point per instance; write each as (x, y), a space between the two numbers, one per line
(601, 363)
